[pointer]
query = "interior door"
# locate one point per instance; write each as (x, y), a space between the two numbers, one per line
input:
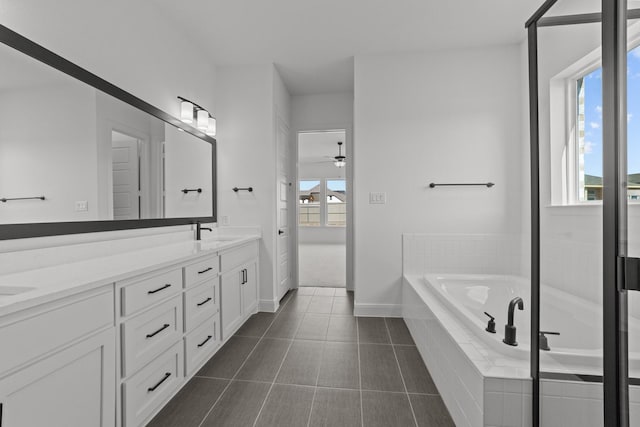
(284, 268)
(126, 177)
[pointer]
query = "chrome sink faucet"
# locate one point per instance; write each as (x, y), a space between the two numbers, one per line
(509, 328)
(199, 229)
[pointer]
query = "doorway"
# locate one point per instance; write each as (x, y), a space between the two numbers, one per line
(323, 207)
(125, 162)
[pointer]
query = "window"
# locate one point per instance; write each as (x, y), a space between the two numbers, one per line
(309, 201)
(336, 202)
(588, 88)
(322, 202)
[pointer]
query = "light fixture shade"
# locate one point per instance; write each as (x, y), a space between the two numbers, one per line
(202, 120)
(211, 130)
(186, 112)
(340, 163)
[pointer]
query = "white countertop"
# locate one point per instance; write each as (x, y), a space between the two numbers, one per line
(50, 283)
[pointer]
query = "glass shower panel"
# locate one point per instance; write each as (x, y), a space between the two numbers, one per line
(570, 147)
(633, 203)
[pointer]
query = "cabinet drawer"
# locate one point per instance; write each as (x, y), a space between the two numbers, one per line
(200, 303)
(144, 293)
(234, 258)
(202, 270)
(42, 331)
(143, 393)
(201, 343)
(150, 333)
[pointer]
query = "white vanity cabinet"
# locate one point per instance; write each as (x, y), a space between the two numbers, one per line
(60, 370)
(201, 312)
(169, 326)
(238, 286)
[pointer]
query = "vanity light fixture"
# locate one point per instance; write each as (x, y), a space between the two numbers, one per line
(190, 111)
(211, 130)
(186, 111)
(340, 160)
(202, 121)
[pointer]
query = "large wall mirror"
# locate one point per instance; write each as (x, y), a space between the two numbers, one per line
(78, 154)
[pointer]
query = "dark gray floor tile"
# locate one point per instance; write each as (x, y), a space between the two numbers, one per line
(328, 292)
(379, 368)
(336, 408)
(381, 409)
(320, 304)
(264, 362)
(256, 325)
(189, 407)
(306, 290)
(342, 328)
(313, 327)
(287, 406)
(301, 364)
(339, 367)
(239, 405)
(430, 411)
(373, 330)
(415, 373)
(298, 303)
(285, 325)
(226, 362)
(399, 332)
(342, 306)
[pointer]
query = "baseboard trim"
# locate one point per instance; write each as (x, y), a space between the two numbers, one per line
(377, 310)
(268, 305)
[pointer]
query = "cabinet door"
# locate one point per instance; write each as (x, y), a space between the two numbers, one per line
(231, 302)
(250, 290)
(72, 388)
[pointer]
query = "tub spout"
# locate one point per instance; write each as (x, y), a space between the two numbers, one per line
(509, 328)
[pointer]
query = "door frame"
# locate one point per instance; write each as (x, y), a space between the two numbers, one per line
(350, 249)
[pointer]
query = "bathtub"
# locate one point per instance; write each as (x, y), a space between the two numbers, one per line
(578, 348)
(485, 382)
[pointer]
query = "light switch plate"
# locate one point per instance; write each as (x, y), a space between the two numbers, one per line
(82, 206)
(377, 198)
(225, 220)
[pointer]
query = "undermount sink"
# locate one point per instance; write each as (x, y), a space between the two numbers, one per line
(6, 291)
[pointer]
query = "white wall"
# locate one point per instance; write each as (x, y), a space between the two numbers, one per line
(248, 99)
(448, 116)
(321, 111)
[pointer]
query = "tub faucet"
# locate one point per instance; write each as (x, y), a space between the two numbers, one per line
(199, 229)
(509, 329)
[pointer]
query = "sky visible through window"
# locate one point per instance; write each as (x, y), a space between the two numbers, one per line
(593, 117)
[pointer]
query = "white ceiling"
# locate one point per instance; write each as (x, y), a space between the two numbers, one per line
(316, 147)
(313, 42)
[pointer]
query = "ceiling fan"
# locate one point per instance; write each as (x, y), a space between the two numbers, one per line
(339, 161)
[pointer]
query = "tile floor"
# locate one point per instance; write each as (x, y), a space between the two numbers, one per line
(311, 364)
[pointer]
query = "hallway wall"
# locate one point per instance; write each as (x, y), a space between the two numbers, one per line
(444, 116)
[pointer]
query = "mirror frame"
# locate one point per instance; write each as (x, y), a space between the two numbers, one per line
(41, 229)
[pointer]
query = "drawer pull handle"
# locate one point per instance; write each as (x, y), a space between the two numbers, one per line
(166, 325)
(166, 377)
(168, 285)
(205, 341)
(204, 302)
(205, 270)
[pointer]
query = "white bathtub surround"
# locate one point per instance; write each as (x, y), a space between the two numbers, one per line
(461, 253)
(479, 385)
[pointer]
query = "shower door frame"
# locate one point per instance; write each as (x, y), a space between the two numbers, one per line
(615, 261)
